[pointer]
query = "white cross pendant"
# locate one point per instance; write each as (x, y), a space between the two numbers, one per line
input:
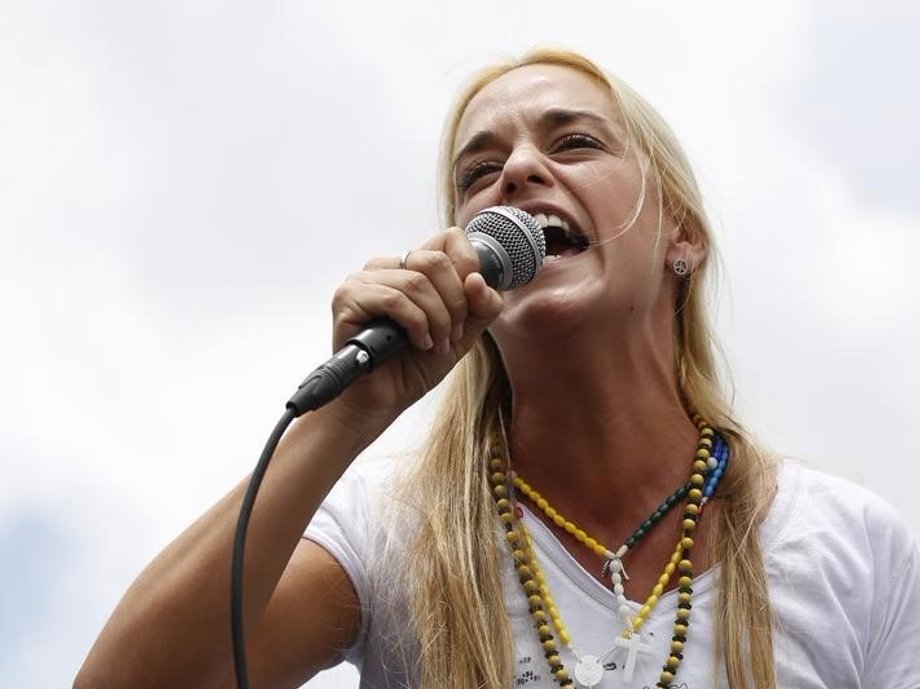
(634, 647)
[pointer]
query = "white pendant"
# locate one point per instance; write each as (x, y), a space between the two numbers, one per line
(589, 671)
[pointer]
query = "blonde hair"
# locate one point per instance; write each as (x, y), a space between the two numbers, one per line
(454, 566)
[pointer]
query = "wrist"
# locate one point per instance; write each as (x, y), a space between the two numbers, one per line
(359, 417)
(352, 423)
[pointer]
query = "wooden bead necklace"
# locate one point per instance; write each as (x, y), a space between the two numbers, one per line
(709, 465)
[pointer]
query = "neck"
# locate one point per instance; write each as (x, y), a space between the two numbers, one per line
(605, 437)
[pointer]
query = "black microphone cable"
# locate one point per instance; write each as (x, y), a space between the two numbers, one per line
(239, 546)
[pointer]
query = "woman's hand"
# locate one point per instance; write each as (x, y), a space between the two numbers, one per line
(437, 297)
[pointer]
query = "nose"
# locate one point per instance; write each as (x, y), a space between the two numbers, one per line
(525, 168)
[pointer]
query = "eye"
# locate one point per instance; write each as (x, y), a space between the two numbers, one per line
(467, 177)
(575, 141)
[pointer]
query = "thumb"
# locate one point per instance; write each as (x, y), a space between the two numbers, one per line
(484, 306)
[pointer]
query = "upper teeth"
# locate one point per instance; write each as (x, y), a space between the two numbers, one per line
(545, 221)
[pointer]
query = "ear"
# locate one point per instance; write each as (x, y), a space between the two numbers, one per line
(689, 246)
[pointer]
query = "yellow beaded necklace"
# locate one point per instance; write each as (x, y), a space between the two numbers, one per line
(589, 669)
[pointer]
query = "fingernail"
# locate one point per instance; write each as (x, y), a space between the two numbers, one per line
(427, 342)
(457, 334)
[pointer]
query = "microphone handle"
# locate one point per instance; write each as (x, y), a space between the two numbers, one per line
(379, 340)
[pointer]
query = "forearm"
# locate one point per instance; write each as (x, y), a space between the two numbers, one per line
(172, 628)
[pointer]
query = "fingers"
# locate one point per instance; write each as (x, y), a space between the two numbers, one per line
(453, 245)
(424, 291)
(440, 271)
(406, 297)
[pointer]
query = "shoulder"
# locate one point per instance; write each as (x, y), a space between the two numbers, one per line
(812, 502)
(364, 524)
(363, 500)
(843, 568)
(826, 533)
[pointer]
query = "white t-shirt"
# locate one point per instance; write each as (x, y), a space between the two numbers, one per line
(843, 572)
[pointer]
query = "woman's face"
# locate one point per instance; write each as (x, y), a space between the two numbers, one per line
(548, 139)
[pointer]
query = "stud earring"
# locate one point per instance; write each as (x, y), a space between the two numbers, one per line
(680, 267)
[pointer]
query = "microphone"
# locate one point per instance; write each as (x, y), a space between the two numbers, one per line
(510, 245)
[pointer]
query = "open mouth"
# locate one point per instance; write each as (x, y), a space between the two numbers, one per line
(561, 239)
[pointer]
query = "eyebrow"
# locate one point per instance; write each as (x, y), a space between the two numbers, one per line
(549, 119)
(560, 116)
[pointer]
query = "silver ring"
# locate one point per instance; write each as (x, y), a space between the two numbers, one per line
(403, 259)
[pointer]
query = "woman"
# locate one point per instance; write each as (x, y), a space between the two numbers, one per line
(594, 385)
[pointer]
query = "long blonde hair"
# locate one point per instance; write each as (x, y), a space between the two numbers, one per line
(454, 565)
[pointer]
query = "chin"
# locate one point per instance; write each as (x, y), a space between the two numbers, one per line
(545, 310)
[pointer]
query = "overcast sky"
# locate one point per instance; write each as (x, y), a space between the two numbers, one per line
(183, 184)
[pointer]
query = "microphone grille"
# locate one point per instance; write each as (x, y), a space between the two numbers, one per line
(519, 233)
